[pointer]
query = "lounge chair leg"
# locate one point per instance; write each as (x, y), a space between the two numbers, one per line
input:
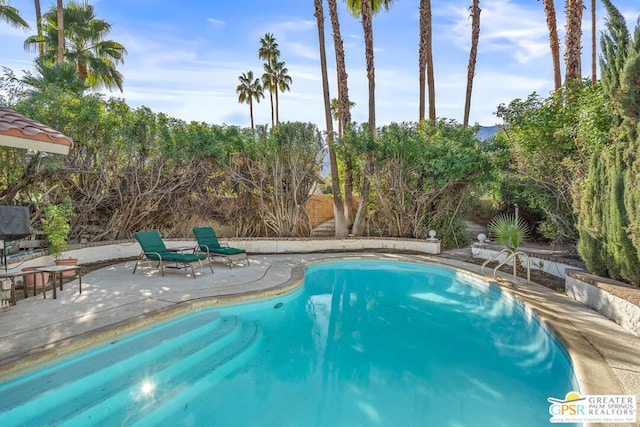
(137, 261)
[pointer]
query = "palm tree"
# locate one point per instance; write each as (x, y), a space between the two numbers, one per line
(425, 61)
(343, 89)
(573, 63)
(335, 112)
(248, 90)
(554, 43)
(11, 15)
(338, 207)
(269, 83)
(282, 82)
(84, 44)
(344, 112)
(39, 26)
(270, 53)
(473, 53)
(60, 33)
(58, 74)
(365, 10)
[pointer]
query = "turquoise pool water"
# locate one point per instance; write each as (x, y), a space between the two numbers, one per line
(362, 343)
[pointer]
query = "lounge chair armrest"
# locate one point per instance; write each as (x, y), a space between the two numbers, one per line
(153, 253)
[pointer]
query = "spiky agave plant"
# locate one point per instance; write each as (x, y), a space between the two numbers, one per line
(508, 231)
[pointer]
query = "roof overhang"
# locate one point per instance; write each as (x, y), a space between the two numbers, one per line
(22, 132)
(34, 144)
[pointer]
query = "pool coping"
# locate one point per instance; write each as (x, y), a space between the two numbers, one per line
(594, 373)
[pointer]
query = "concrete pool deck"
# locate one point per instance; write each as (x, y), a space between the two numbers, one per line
(113, 300)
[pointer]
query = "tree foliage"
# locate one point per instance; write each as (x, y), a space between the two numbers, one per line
(85, 45)
(422, 177)
(275, 174)
(11, 15)
(550, 143)
(610, 215)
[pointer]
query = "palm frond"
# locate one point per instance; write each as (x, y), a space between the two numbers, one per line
(508, 231)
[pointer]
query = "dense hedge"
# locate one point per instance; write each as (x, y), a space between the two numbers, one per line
(610, 209)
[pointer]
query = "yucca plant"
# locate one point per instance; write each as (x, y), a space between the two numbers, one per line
(508, 231)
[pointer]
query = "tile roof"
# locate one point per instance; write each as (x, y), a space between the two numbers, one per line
(14, 125)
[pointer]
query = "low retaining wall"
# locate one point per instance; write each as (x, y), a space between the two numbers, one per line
(304, 245)
(96, 252)
(615, 300)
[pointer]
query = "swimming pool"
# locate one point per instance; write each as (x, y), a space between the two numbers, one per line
(361, 343)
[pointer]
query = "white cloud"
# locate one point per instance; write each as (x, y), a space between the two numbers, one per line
(518, 31)
(216, 23)
(293, 26)
(302, 50)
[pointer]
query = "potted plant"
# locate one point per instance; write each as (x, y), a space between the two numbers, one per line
(55, 225)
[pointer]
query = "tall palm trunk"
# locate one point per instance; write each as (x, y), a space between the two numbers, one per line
(83, 71)
(573, 62)
(60, 31)
(363, 201)
(338, 208)
(344, 116)
(473, 53)
(554, 43)
(425, 61)
(273, 124)
(39, 27)
(593, 43)
(344, 113)
(277, 108)
(367, 26)
(251, 112)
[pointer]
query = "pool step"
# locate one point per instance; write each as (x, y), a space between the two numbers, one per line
(67, 372)
(126, 361)
(202, 380)
(159, 391)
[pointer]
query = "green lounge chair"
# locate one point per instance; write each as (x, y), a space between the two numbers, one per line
(154, 249)
(209, 244)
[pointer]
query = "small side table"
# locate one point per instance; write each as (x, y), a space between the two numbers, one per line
(57, 270)
(181, 249)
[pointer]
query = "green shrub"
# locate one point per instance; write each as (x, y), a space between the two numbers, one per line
(55, 225)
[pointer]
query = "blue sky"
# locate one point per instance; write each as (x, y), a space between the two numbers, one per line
(185, 60)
